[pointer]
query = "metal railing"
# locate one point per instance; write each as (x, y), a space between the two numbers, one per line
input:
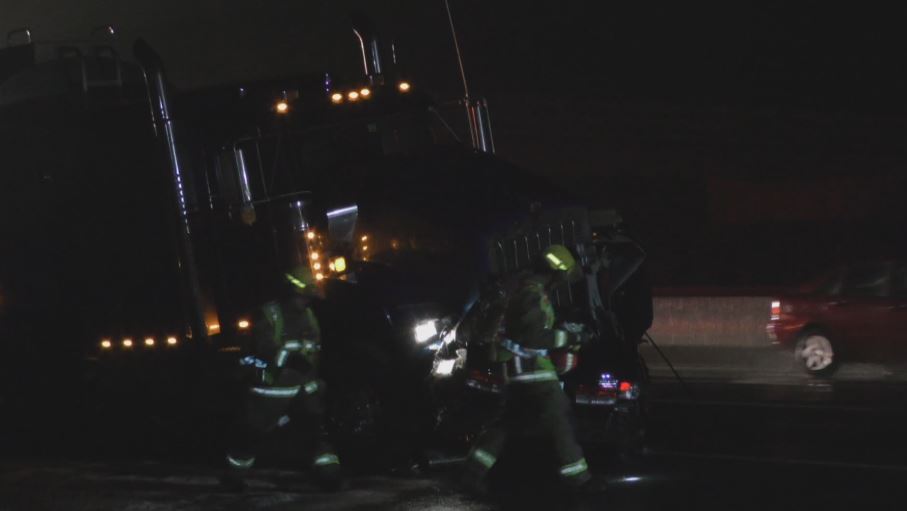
(521, 250)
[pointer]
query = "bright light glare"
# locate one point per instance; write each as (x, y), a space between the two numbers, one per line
(364, 238)
(339, 264)
(404, 86)
(149, 341)
(334, 213)
(127, 343)
(171, 341)
(316, 266)
(319, 276)
(310, 235)
(446, 367)
(426, 330)
(106, 344)
(282, 107)
(336, 98)
(365, 92)
(214, 328)
(353, 95)
(243, 324)
(314, 256)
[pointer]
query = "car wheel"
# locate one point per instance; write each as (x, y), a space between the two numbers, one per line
(816, 354)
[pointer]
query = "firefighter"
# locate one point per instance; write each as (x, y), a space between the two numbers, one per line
(535, 406)
(281, 382)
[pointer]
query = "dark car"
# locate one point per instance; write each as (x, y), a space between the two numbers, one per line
(856, 312)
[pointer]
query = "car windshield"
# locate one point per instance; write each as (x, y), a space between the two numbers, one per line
(867, 280)
(828, 282)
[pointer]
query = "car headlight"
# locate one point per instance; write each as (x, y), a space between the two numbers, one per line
(426, 330)
(445, 367)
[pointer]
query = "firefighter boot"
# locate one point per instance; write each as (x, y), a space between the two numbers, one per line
(327, 473)
(233, 476)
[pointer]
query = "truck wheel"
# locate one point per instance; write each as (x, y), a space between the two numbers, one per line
(816, 353)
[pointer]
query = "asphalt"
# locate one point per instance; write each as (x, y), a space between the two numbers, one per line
(765, 364)
(733, 443)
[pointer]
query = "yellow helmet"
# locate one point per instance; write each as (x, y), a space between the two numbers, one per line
(559, 258)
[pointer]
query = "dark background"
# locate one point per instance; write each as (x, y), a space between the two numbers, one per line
(747, 143)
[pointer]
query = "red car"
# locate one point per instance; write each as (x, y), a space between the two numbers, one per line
(854, 313)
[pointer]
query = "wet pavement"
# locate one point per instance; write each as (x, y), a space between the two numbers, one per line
(765, 364)
(716, 444)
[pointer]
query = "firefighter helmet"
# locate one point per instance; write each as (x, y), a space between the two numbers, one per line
(559, 258)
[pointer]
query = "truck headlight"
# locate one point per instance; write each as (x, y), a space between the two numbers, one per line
(426, 331)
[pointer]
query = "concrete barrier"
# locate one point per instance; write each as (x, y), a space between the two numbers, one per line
(714, 336)
(724, 337)
(719, 321)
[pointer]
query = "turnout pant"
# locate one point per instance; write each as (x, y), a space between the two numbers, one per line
(296, 399)
(539, 410)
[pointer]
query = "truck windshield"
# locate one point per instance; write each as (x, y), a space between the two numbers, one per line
(284, 162)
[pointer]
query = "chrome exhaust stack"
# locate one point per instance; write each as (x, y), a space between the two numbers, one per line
(373, 52)
(159, 100)
(479, 125)
(478, 121)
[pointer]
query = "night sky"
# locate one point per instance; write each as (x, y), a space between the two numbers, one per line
(676, 113)
(813, 57)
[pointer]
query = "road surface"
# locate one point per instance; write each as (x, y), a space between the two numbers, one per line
(736, 444)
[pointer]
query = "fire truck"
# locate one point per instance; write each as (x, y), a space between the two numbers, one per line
(141, 222)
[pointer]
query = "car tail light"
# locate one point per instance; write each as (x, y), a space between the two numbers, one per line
(776, 310)
(628, 390)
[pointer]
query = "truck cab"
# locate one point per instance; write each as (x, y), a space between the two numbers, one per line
(146, 220)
